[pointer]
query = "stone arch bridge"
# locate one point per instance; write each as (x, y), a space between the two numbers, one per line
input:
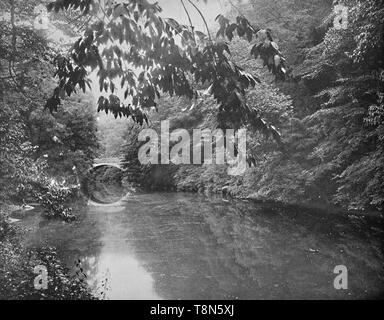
(131, 168)
(109, 162)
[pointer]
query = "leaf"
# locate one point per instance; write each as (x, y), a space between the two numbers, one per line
(136, 16)
(82, 85)
(201, 35)
(223, 21)
(230, 30)
(240, 31)
(249, 34)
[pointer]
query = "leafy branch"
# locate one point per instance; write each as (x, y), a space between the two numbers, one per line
(146, 42)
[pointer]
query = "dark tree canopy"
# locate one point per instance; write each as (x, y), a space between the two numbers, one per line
(132, 46)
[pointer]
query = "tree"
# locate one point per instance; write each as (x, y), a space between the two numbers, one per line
(343, 139)
(26, 132)
(130, 43)
(333, 134)
(66, 139)
(24, 65)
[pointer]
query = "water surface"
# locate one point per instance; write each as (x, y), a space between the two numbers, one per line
(187, 246)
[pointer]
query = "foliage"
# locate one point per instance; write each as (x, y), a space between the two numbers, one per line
(295, 24)
(332, 128)
(17, 277)
(54, 200)
(6, 229)
(25, 79)
(35, 144)
(335, 150)
(345, 141)
(10, 135)
(23, 65)
(163, 64)
(17, 264)
(110, 134)
(68, 139)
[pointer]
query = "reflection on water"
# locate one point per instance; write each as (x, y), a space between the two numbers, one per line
(135, 284)
(185, 246)
(103, 184)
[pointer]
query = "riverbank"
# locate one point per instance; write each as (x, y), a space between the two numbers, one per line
(253, 186)
(18, 263)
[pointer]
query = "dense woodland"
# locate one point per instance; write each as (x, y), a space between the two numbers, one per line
(310, 96)
(328, 110)
(41, 153)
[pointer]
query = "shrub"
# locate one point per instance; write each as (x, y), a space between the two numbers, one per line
(54, 199)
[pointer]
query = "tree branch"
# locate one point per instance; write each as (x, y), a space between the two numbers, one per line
(190, 21)
(202, 17)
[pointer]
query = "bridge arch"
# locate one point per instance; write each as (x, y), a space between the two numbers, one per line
(100, 189)
(98, 165)
(108, 162)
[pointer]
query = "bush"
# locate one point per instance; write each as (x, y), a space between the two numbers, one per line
(17, 279)
(54, 198)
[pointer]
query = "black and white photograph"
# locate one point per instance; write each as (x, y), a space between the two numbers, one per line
(191, 155)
